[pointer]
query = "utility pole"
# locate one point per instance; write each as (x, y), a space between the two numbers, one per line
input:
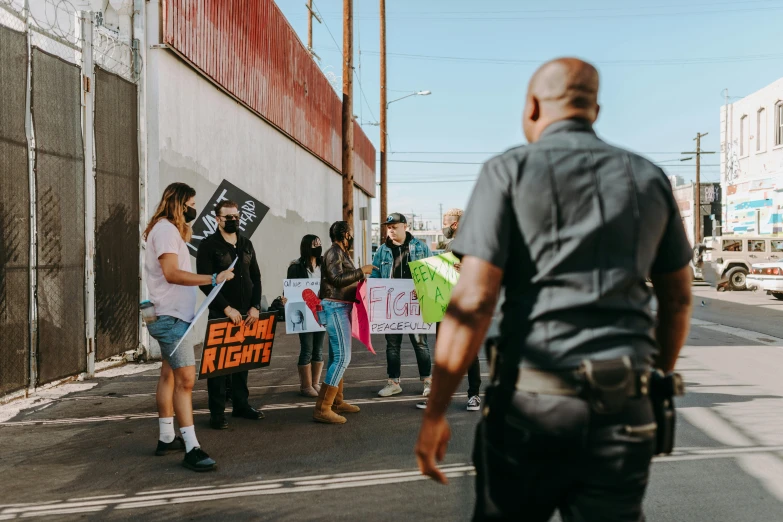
(697, 193)
(310, 15)
(347, 111)
(384, 186)
(441, 214)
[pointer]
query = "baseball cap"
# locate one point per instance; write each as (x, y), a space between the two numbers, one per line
(396, 218)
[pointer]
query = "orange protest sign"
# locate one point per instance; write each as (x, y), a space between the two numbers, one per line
(230, 348)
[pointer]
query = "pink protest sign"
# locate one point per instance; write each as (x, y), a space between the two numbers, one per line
(360, 319)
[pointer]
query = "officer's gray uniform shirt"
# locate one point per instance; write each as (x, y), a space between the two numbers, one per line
(576, 225)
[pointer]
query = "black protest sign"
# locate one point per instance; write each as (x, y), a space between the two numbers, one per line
(251, 213)
(230, 348)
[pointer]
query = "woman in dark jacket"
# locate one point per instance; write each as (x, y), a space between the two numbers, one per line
(311, 361)
(339, 279)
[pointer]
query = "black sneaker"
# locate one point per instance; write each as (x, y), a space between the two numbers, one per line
(198, 460)
(165, 448)
(218, 422)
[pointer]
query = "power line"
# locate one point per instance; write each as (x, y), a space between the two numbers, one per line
(327, 27)
(635, 62)
(574, 14)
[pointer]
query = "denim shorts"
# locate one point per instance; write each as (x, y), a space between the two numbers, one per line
(168, 330)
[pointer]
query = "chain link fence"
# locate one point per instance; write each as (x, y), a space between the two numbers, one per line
(43, 277)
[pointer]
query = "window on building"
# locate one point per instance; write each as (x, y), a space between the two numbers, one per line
(761, 131)
(744, 136)
(779, 123)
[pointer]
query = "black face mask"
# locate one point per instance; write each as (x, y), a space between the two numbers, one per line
(231, 226)
(190, 214)
(317, 252)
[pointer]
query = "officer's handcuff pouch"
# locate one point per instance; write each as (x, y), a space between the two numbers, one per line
(609, 384)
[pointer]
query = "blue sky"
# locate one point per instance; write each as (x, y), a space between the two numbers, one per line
(664, 65)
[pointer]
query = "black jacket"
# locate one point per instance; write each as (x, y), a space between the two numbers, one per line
(339, 276)
(298, 270)
(216, 255)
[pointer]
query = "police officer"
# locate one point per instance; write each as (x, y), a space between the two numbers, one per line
(570, 227)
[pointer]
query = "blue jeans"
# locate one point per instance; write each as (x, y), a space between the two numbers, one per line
(338, 328)
(311, 347)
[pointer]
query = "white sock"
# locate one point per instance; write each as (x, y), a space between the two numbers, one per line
(189, 434)
(166, 425)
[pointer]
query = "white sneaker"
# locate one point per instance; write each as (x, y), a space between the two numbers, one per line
(427, 387)
(392, 388)
(474, 403)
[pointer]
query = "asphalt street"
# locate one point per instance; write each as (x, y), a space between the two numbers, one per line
(88, 455)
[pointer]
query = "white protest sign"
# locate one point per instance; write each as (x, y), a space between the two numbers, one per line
(211, 297)
(394, 309)
(301, 295)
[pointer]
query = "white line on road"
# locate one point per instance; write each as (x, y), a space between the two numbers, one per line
(134, 416)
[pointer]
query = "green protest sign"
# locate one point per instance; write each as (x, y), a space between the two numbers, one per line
(434, 277)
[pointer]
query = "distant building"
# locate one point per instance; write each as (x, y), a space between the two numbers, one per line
(676, 181)
(685, 195)
(752, 162)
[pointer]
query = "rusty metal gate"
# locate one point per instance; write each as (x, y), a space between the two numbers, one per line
(69, 196)
(59, 178)
(14, 214)
(116, 215)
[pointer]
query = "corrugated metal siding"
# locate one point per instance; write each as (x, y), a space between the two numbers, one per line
(248, 47)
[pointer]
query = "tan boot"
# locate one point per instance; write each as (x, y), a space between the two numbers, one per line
(340, 406)
(323, 406)
(305, 384)
(317, 367)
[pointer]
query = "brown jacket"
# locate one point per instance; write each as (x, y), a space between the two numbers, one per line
(339, 276)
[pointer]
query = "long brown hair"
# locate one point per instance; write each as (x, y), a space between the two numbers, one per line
(172, 207)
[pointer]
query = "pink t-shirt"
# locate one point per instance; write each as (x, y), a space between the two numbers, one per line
(174, 300)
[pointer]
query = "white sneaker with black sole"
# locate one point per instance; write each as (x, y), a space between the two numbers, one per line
(474, 403)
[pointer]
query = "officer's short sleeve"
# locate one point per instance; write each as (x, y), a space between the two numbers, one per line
(674, 250)
(485, 227)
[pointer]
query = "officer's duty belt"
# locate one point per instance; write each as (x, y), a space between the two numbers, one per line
(571, 383)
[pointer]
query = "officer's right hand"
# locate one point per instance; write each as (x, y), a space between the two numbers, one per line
(226, 275)
(431, 447)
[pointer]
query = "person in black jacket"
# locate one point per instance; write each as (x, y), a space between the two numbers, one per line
(238, 297)
(311, 361)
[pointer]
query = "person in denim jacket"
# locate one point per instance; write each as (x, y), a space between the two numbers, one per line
(392, 262)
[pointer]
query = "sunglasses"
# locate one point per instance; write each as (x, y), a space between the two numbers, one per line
(231, 217)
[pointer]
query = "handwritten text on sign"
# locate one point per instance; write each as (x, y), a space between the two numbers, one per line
(251, 213)
(230, 348)
(434, 278)
(302, 295)
(394, 309)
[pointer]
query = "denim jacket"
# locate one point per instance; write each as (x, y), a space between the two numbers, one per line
(384, 259)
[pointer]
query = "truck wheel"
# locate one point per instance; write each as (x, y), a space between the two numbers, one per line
(778, 295)
(737, 278)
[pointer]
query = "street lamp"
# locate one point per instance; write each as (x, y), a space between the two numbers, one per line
(384, 108)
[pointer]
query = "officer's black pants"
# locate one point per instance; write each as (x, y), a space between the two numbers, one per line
(216, 387)
(552, 452)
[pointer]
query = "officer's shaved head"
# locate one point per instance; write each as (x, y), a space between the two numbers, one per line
(561, 89)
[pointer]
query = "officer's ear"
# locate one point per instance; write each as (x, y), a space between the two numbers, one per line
(532, 109)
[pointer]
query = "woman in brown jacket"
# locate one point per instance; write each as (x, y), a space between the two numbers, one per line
(339, 279)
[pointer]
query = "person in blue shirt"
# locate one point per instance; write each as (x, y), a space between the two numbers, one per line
(392, 262)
